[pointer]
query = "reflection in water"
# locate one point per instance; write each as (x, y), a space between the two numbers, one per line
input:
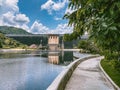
(53, 57)
(14, 54)
(31, 71)
(60, 57)
(26, 72)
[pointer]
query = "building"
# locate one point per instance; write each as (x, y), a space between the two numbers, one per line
(53, 42)
(42, 40)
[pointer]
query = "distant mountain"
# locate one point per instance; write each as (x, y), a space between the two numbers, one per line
(12, 30)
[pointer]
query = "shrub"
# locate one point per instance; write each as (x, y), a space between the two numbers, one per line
(0, 45)
(88, 46)
(117, 65)
(110, 68)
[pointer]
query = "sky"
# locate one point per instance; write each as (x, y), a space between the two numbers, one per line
(35, 16)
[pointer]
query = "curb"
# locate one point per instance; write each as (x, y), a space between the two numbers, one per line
(61, 80)
(111, 81)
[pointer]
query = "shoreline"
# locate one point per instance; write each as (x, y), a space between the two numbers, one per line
(14, 50)
(19, 49)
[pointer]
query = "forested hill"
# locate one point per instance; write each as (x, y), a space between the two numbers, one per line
(6, 42)
(12, 30)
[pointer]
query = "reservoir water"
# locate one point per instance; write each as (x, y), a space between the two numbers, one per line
(31, 70)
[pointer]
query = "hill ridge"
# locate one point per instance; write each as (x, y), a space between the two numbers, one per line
(13, 30)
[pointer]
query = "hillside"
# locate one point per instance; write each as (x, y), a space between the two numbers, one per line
(12, 30)
(6, 42)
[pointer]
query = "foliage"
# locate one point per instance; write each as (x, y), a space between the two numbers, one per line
(12, 30)
(70, 37)
(88, 46)
(100, 18)
(32, 40)
(6, 42)
(109, 67)
(37, 40)
(117, 65)
(110, 55)
(83, 44)
(0, 44)
(66, 37)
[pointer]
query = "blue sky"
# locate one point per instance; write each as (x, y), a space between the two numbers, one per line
(35, 16)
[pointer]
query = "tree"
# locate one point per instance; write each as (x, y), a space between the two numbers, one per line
(7, 41)
(66, 37)
(0, 44)
(100, 18)
(84, 44)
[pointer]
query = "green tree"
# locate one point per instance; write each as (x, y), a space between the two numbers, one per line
(67, 37)
(83, 44)
(88, 46)
(0, 44)
(100, 18)
(7, 41)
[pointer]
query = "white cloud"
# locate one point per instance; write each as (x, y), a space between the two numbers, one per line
(8, 18)
(59, 5)
(22, 18)
(8, 5)
(16, 20)
(63, 28)
(57, 18)
(69, 11)
(25, 27)
(10, 15)
(12, 4)
(50, 5)
(38, 27)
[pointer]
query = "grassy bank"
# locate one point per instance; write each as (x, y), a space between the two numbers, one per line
(108, 66)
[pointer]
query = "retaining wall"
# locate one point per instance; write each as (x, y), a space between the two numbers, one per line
(60, 82)
(111, 81)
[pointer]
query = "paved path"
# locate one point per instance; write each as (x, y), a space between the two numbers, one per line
(88, 76)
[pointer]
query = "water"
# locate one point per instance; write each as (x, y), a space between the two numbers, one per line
(31, 71)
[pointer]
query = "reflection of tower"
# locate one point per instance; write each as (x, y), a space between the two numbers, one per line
(53, 42)
(53, 57)
(40, 46)
(62, 55)
(62, 44)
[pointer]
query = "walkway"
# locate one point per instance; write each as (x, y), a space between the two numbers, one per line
(88, 76)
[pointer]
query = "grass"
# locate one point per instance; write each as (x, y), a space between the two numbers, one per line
(108, 66)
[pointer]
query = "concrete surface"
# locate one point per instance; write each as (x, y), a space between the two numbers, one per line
(112, 82)
(88, 76)
(60, 82)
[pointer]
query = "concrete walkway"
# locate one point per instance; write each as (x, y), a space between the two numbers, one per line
(88, 76)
